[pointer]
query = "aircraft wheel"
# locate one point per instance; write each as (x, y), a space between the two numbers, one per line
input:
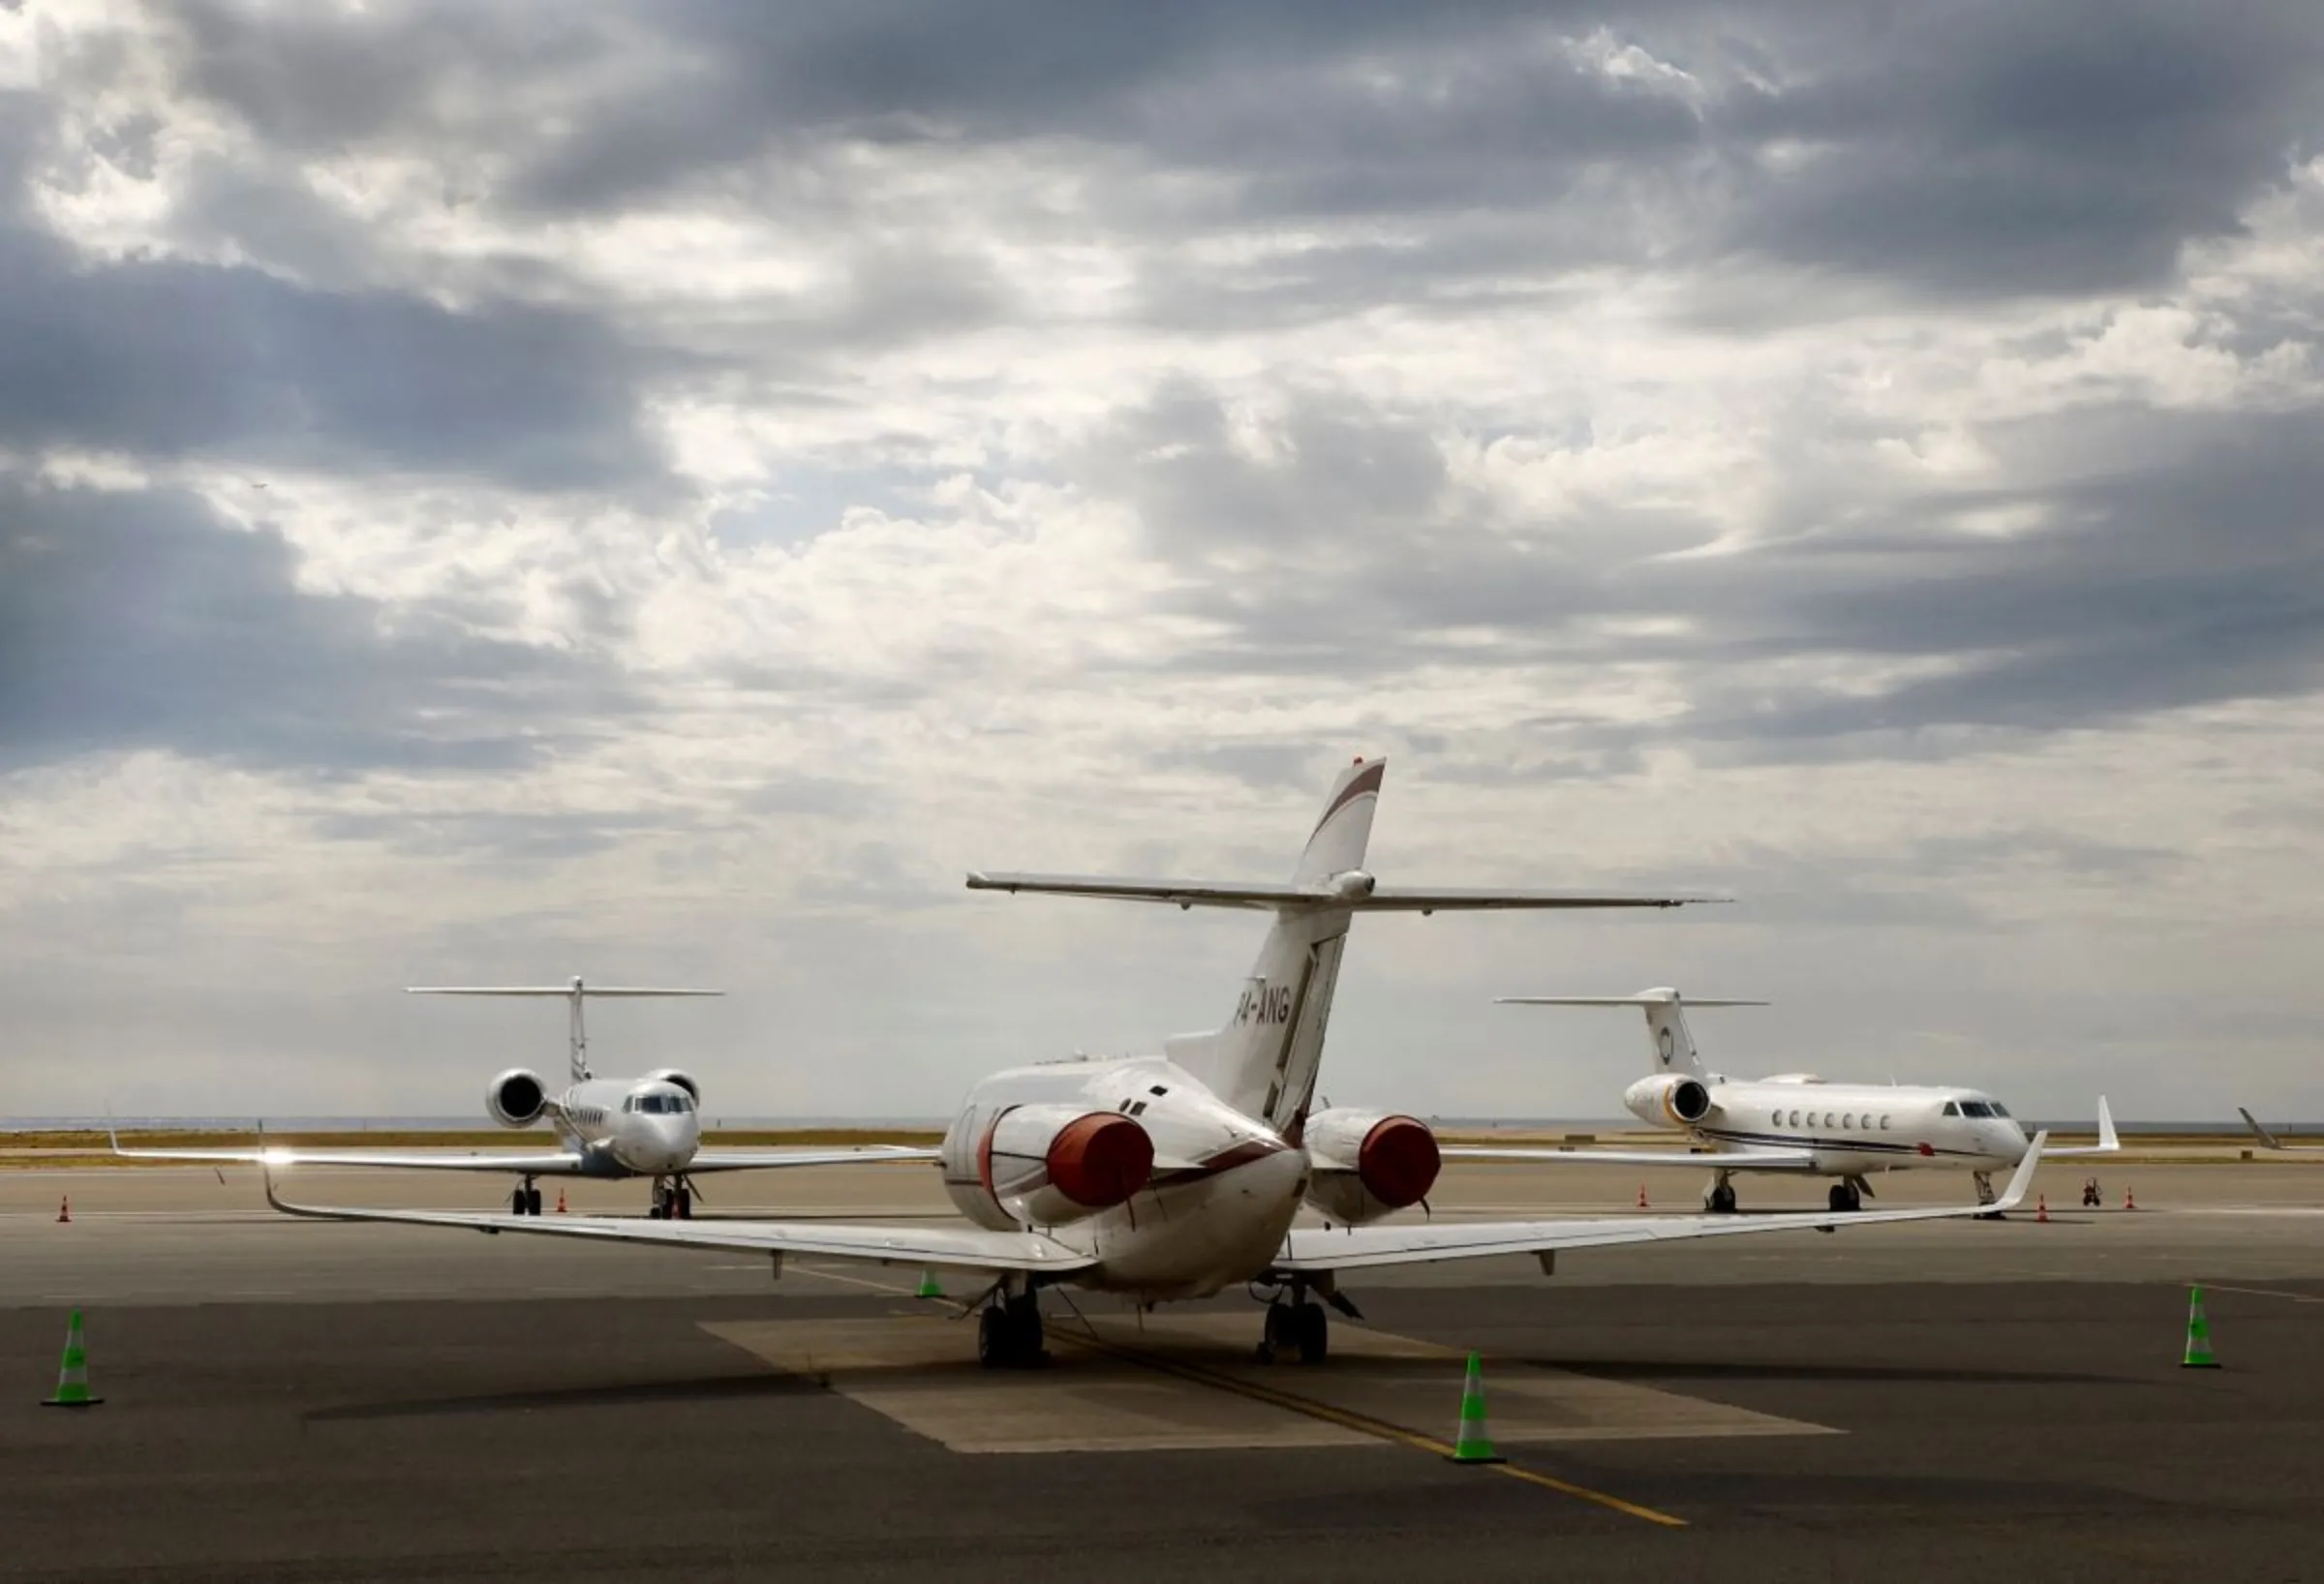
(685, 1203)
(1844, 1198)
(992, 1338)
(1722, 1200)
(1313, 1329)
(532, 1201)
(1024, 1317)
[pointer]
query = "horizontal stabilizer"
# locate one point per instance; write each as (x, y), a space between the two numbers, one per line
(1354, 890)
(593, 991)
(1644, 998)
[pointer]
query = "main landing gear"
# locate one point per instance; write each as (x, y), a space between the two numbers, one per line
(1008, 1333)
(525, 1199)
(1720, 1198)
(673, 1199)
(1297, 1324)
(1847, 1193)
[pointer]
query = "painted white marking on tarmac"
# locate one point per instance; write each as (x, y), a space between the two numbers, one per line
(2263, 1292)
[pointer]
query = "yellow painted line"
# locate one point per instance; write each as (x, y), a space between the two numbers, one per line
(1362, 1424)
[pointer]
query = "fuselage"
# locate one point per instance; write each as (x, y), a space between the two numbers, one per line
(1852, 1129)
(1223, 1192)
(627, 1127)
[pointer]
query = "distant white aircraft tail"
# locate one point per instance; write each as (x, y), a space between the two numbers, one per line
(1665, 1021)
(1265, 1060)
(574, 993)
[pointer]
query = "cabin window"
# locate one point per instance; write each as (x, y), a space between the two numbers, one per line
(1883, 1121)
(1777, 1121)
(1849, 1121)
(1795, 1118)
(1827, 1120)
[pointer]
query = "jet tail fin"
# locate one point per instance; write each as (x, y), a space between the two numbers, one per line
(574, 991)
(1666, 1021)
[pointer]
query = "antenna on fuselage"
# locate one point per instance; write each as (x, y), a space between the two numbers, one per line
(575, 994)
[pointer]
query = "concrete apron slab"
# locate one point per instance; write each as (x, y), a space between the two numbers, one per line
(1179, 1384)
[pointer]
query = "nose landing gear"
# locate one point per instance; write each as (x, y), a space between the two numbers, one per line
(525, 1197)
(1986, 1194)
(673, 1199)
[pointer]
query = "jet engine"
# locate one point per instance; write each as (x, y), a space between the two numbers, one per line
(1668, 1100)
(1048, 1165)
(683, 1079)
(516, 1098)
(1368, 1163)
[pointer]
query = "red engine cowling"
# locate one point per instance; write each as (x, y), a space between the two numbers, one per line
(1048, 1165)
(1368, 1164)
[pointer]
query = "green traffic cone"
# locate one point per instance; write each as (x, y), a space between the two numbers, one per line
(1472, 1445)
(72, 1377)
(927, 1286)
(2198, 1335)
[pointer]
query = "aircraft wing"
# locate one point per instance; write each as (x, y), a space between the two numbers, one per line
(954, 1248)
(1365, 1248)
(2109, 1142)
(766, 1160)
(541, 1164)
(546, 1164)
(1723, 1160)
(2269, 1141)
(1266, 895)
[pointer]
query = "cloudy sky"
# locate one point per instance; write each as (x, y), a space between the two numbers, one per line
(499, 491)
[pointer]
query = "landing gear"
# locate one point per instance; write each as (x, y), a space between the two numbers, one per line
(1720, 1198)
(525, 1199)
(1986, 1194)
(1844, 1197)
(1008, 1334)
(673, 1201)
(1297, 1324)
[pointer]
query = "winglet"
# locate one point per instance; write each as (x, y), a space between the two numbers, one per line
(2108, 1138)
(2022, 1178)
(2265, 1137)
(114, 1133)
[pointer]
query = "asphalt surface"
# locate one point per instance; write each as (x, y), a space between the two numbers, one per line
(1954, 1406)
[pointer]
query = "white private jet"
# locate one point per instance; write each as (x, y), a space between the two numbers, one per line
(606, 1127)
(1179, 1175)
(1795, 1122)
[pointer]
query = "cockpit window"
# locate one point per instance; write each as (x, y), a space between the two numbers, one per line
(1952, 1107)
(660, 1104)
(1999, 1109)
(1975, 1107)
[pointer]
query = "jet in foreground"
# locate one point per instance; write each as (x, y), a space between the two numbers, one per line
(605, 1127)
(1795, 1122)
(1180, 1174)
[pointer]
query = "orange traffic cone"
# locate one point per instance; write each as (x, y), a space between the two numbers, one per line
(2041, 1207)
(64, 1211)
(561, 1202)
(2129, 1203)
(1642, 1196)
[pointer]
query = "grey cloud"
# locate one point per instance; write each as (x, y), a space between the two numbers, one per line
(1987, 149)
(139, 620)
(2178, 566)
(165, 358)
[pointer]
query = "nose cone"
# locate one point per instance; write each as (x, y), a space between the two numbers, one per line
(655, 1143)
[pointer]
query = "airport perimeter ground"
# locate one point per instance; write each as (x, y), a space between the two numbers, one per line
(300, 1401)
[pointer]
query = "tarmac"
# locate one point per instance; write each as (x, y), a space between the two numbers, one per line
(295, 1401)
